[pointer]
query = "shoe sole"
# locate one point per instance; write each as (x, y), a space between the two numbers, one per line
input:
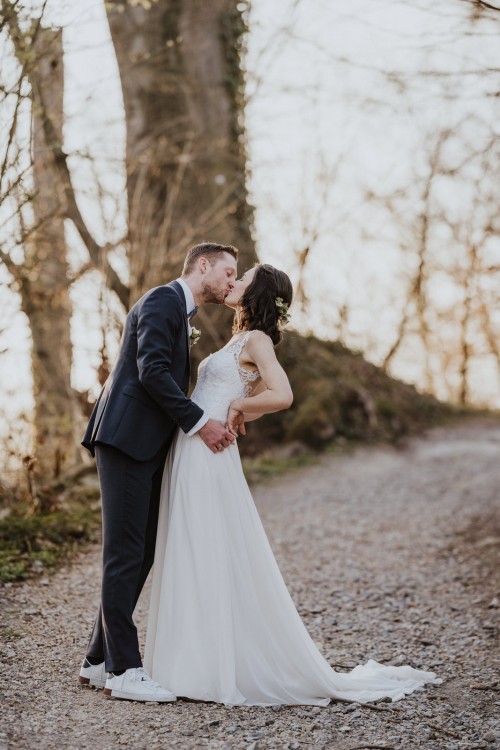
(109, 693)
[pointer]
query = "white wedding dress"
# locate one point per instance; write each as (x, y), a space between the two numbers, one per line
(222, 626)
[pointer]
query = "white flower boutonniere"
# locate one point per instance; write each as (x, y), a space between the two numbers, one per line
(194, 336)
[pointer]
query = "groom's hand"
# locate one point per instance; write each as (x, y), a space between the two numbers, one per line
(216, 436)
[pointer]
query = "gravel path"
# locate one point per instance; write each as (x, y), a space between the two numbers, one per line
(389, 554)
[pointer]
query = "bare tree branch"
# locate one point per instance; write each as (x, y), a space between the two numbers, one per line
(98, 253)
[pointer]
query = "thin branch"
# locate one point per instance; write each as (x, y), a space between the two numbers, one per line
(482, 5)
(96, 251)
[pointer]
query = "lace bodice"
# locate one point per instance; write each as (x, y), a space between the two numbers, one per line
(221, 379)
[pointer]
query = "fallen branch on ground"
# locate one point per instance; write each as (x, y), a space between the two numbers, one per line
(438, 728)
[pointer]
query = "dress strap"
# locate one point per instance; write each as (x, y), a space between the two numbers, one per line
(247, 376)
(240, 343)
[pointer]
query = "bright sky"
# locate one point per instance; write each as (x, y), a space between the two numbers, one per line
(324, 127)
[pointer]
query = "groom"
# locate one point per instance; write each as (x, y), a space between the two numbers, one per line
(129, 433)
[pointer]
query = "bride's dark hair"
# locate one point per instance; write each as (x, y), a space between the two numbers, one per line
(258, 304)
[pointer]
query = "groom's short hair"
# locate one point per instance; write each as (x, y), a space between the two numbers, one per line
(210, 250)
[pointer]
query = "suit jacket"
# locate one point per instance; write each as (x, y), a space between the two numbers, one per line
(144, 397)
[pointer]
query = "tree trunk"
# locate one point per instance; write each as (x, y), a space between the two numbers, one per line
(44, 281)
(182, 87)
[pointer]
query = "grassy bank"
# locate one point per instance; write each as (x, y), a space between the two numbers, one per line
(340, 395)
(32, 544)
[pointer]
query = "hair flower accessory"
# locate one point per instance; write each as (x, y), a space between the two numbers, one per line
(284, 315)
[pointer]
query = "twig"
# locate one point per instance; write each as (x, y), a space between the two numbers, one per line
(449, 732)
(373, 707)
(484, 4)
(380, 747)
(480, 686)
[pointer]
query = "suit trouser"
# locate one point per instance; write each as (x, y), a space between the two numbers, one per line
(130, 494)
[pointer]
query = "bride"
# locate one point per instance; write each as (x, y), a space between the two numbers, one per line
(222, 626)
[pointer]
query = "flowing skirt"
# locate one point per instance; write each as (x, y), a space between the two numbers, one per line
(222, 626)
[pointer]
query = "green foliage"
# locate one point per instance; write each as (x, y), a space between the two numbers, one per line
(31, 544)
(9, 633)
(260, 469)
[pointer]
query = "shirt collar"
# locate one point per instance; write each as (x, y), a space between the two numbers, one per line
(188, 295)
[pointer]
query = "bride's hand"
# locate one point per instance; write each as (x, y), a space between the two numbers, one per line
(236, 420)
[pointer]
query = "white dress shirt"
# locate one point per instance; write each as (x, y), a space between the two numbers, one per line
(188, 294)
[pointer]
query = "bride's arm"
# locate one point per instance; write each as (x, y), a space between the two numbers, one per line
(275, 391)
(259, 388)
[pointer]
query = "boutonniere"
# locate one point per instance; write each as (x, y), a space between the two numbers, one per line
(194, 336)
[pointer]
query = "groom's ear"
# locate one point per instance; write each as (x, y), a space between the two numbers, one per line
(203, 264)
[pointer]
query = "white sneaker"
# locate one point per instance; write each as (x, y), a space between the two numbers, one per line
(136, 685)
(93, 675)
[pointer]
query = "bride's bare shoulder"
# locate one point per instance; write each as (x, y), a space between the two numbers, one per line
(259, 345)
(259, 338)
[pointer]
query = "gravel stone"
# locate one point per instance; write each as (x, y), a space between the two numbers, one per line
(388, 553)
(491, 736)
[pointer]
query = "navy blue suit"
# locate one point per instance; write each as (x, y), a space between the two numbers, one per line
(129, 432)
(144, 397)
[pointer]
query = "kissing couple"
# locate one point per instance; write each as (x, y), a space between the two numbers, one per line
(222, 626)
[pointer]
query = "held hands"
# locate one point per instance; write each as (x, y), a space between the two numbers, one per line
(216, 436)
(236, 419)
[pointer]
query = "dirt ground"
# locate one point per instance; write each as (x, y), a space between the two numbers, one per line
(391, 554)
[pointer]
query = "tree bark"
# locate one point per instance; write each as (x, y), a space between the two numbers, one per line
(182, 83)
(44, 282)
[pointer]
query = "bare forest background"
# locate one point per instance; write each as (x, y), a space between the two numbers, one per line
(355, 145)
